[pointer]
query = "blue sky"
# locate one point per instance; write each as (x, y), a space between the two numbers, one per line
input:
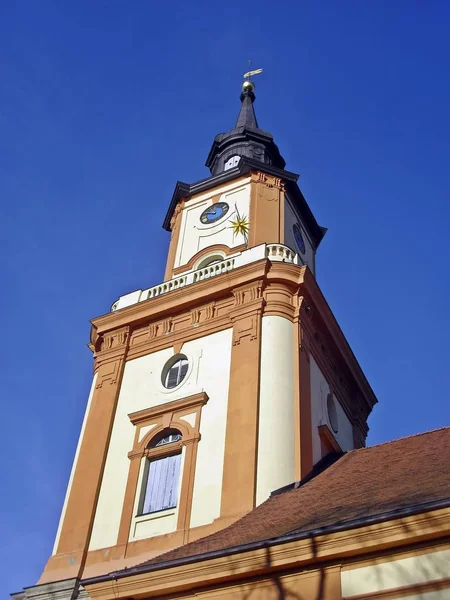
(105, 105)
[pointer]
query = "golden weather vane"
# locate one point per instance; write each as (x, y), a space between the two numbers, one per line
(250, 73)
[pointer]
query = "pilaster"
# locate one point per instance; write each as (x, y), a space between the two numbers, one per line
(305, 409)
(241, 441)
(111, 349)
(266, 210)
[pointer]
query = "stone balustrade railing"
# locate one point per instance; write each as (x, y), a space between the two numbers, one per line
(274, 252)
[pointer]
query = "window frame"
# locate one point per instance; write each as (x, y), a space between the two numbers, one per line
(151, 454)
(168, 415)
(183, 361)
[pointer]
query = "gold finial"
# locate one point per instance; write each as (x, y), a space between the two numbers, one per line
(248, 85)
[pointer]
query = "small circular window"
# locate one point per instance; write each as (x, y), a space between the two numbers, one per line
(332, 412)
(174, 371)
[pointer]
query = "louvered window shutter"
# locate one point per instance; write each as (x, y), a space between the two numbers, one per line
(162, 484)
(183, 369)
(172, 376)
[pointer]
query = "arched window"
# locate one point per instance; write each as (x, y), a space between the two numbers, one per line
(174, 371)
(212, 259)
(162, 473)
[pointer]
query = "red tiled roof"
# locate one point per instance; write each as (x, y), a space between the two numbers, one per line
(363, 483)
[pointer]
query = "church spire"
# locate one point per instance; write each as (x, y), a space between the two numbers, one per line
(247, 117)
(246, 139)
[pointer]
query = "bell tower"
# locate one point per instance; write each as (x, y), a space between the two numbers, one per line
(226, 381)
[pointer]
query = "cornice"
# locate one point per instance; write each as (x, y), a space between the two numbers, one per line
(322, 309)
(263, 275)
(181, 299)
(147, 414)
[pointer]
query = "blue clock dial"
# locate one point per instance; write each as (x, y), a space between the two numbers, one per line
(299, 238)
(214, 212)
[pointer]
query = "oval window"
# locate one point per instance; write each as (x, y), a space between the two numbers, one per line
(174, 371)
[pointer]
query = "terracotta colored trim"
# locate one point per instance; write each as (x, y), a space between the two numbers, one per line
(241, 439)
(149, 414)
(187, 488)
(80, 510)
(306, 441)
(177, 347)
(296, 372)
(328, 441)
(180, 300)
(280, 300)
(206, 252)
(266, 209)
(330, 549)
(168, 415)
(404, 591)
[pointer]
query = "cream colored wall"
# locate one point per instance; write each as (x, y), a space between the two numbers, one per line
(430, 566)
(276, 446)
(319, 414)
(75, 460)
(215, 379)
(195, 236)
(209, 366)
(290, 217)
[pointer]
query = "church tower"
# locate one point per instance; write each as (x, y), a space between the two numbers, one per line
(228, 380)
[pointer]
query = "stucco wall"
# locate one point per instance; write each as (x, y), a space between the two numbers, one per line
(209, 366)
(195, 236)
(290, 217)
(319, 414)
(276, 446)
(398, 573)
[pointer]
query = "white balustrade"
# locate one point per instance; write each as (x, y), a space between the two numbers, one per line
(217, 269)
(168, 286)
(281, 253)
(274, 252)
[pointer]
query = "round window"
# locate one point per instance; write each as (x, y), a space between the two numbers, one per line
(174, 371)
(332, 412)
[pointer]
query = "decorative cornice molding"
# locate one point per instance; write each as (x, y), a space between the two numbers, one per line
(176, 405)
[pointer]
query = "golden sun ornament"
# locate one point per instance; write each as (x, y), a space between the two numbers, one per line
(240, 225)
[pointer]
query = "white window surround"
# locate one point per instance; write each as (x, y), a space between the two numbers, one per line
(189, 380)
(175, 371)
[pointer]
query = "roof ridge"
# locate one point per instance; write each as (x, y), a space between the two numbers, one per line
(405, 437)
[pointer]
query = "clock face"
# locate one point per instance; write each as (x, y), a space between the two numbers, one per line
(299, 238)
(214, 212)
